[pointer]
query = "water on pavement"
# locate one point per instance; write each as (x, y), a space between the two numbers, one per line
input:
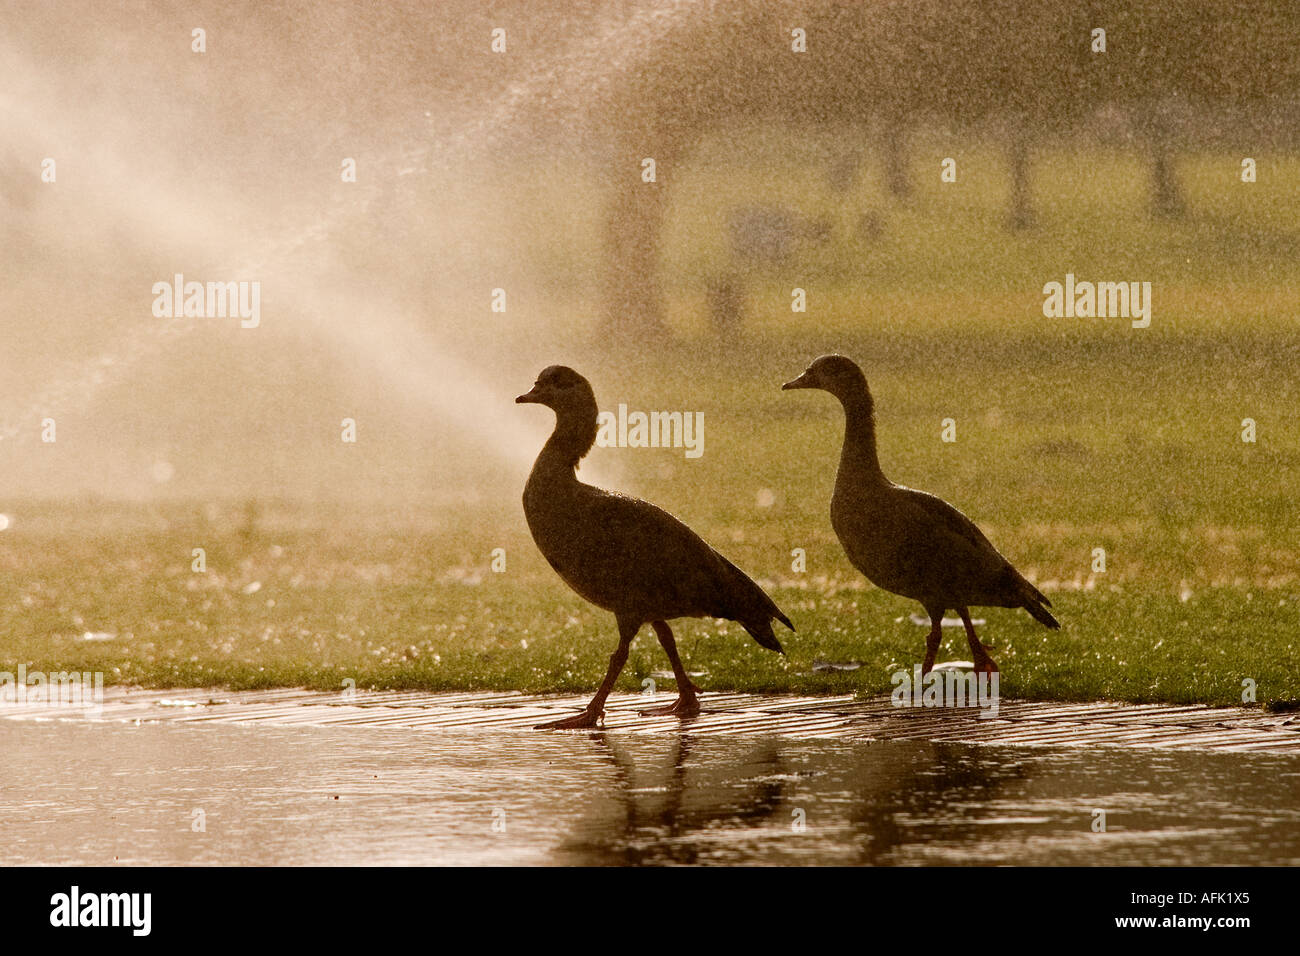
(157, 793)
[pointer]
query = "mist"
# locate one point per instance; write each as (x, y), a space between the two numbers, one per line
(475, 170)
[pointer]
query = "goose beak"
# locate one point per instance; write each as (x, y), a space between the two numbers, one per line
(803, 381)
(529, 397)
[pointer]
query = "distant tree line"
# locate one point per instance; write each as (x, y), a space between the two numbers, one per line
(1027, 69)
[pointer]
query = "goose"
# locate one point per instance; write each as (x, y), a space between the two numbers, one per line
(907, 541)
(626, 555)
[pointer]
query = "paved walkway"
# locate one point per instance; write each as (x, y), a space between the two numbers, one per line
(1019, 723)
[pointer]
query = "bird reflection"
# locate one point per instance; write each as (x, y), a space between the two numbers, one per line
(691, 800)
(894, 810)
(665, 810)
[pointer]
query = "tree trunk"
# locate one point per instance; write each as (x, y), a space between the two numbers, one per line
(631, 290)
(1167, 195)
(1021, 214)
(894, 147)
(1161, 122)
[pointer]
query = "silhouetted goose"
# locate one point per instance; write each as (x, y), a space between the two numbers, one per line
(907, 541)
(626, 555)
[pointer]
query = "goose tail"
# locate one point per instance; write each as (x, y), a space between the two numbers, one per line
(750, 606)
(1036, 603)
(759, 623)
(762, 632)
(1042, 615)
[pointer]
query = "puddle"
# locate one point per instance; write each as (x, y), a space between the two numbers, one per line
(103, 793)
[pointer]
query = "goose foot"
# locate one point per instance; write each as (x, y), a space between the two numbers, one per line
(682, 707)
(986, 666)
(585, 720)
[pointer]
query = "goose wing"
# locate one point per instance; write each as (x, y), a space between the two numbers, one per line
(943, 518)
(916, 544)
(985, 573)
(627, 554)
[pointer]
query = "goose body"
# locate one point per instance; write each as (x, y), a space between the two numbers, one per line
(636, 560)
(626, 555)
(910, 542)
(916, 544)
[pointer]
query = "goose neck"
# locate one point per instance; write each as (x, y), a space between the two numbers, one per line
(573, 437)
(859, 458)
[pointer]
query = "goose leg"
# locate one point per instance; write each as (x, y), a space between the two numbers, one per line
(687, 704)
(591, 716)
(932, 641)
(979, 653)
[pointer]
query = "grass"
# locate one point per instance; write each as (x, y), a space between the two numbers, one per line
(315, 607)
(1072, 435)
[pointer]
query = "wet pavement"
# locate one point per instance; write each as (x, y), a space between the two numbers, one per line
(1011, 722)
(184, 790)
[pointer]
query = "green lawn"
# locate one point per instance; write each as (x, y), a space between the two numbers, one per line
(1073, 434)
(1178, 616)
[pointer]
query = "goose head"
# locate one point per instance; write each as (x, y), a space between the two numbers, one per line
(563, 390)
(832, 373)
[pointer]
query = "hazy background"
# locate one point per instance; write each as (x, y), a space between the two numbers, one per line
(521, 171)
(479, 170)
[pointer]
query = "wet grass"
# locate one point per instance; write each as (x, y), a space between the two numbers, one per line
(1073, 435)
(1198, 595)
